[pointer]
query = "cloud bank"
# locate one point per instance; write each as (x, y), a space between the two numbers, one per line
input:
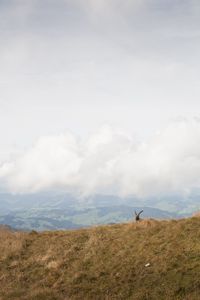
(110, 161)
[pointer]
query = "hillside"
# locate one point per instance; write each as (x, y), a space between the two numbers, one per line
(105, 262)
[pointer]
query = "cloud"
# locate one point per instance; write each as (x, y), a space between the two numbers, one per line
(80, 63)
(111, 161)
(69, 60)
(111, 6)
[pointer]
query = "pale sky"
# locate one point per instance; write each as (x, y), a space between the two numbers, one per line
(79, 64)
(76, 65)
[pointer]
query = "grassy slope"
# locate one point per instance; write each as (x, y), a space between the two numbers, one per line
(105, 262)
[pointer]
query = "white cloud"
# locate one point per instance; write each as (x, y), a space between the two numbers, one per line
(111, 162)
(134, 64)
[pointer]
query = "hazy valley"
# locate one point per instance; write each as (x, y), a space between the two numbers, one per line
(64, 211)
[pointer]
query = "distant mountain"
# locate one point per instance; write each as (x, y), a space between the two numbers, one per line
(60, 211)
(177, 204)
(50, 219)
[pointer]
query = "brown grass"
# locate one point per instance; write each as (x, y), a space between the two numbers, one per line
(10, 242)
(105, 262)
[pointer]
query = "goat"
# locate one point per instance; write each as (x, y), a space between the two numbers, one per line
(137, 215)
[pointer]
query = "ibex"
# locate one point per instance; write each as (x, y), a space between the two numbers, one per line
(137, 215)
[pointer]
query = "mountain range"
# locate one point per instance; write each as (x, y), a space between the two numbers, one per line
(48, 211)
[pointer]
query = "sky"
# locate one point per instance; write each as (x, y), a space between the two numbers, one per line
(103, 84)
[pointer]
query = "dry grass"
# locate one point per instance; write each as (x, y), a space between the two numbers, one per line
(105, 262)
(10, 242)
